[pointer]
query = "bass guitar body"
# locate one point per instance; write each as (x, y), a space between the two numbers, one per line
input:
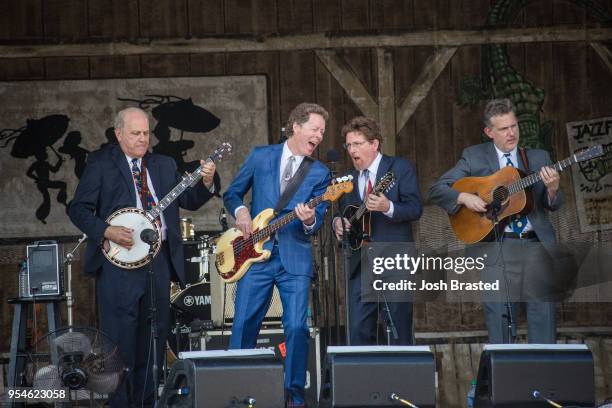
(235, 255)
(470, 226)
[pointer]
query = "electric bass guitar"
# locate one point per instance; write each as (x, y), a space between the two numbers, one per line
(141, 221)
(360, 217)
(506, 192)
(234, 254)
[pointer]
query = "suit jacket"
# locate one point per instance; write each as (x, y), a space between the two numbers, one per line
(404, 194)
(481, 160)
(107, 185)
(260, 173)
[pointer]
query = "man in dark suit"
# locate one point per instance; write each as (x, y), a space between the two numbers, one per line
(114, 179)
(525, 263)
(392, 213)
(266, 171)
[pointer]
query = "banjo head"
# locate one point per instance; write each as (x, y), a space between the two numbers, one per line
(135, 257)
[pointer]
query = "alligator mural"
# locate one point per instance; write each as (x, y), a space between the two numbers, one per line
(499, 79)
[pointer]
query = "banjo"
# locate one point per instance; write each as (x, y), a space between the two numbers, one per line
(143, 222)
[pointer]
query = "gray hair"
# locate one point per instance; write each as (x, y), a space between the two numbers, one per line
(497, 107)
(300, 115)
(119, 121)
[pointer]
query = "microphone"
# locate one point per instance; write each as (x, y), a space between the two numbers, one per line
(223, 219)
(537, 395)
(149, 236)
(332, 158)
(395, 397)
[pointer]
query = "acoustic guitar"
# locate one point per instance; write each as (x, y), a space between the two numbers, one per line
(506, 192)
(360, 217)
(235, 254)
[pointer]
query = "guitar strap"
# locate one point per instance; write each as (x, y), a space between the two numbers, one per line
(523, 154)
(294, 183)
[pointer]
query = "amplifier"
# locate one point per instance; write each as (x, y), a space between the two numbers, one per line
(44, 272)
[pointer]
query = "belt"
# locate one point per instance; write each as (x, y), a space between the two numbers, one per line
(523, 235)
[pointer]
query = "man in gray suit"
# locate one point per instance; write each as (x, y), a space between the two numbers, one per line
(521, 261)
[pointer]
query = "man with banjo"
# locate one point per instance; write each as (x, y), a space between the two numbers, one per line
(118, 178)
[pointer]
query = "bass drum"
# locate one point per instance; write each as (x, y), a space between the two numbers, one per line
(186, 306)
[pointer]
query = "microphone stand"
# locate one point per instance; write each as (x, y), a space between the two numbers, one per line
(346, 264)
(495, 209)
(68, 263)
(390, 326)
(153, 316)
(331, 267)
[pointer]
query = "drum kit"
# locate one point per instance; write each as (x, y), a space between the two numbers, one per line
(191, 306)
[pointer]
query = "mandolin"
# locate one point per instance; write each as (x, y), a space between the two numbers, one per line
(360, 217)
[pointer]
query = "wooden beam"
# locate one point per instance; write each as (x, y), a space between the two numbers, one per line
(347, 79)
(386, 100)
(317, 41)
(422, 85)
(604, 53)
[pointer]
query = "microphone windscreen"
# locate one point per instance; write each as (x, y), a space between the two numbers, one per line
(332, 155)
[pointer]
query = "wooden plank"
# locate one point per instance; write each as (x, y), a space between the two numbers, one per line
(163, 19)
(329, 94)
(594, 345)
(65, 19)
(114, 67)
(355, 14)
(604, 53)
(21, 20)
(386, 100)
(250, 16)
(441, 38)
(431, 70)
(447, 377)
(206, 17)
(464, 373)
(327, 15)
(67, 68)
(349, 82)
(164, 65)
(295, 16)
(22, 68)
(207, 64)
(113, 19)
(392, 14)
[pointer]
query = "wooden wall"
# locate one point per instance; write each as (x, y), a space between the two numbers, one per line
(575, 79)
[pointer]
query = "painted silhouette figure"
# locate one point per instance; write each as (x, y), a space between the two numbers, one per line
(77, 153)
(40, 171)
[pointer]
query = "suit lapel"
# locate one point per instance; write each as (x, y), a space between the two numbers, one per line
(126, 172)
(154, 174)
(383, 167)
(492, 159)
(277, 152)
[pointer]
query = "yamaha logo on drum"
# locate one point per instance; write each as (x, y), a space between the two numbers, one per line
(196, 300)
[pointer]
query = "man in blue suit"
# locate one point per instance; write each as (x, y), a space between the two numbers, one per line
(109, 182)
(525, 263)
(265, 172)
(392, 214)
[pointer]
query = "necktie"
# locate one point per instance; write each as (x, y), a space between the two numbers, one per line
(367, 185)
(287, 173)
(517, 222)
(146, 198)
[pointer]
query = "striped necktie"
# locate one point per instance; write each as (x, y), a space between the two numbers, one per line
(517, 222)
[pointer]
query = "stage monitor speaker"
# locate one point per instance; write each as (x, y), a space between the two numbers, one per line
(221, 379)
(224, 297)
(368, 376)
(513, 375)
(44, 277)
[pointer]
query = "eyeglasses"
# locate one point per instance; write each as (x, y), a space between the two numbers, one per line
(356, 145)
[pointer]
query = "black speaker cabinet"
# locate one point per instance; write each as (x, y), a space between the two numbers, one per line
(367, 376)
(510, 374)
(44, 275)
(222, 379)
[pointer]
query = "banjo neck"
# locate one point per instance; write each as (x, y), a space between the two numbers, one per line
(187, 181)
